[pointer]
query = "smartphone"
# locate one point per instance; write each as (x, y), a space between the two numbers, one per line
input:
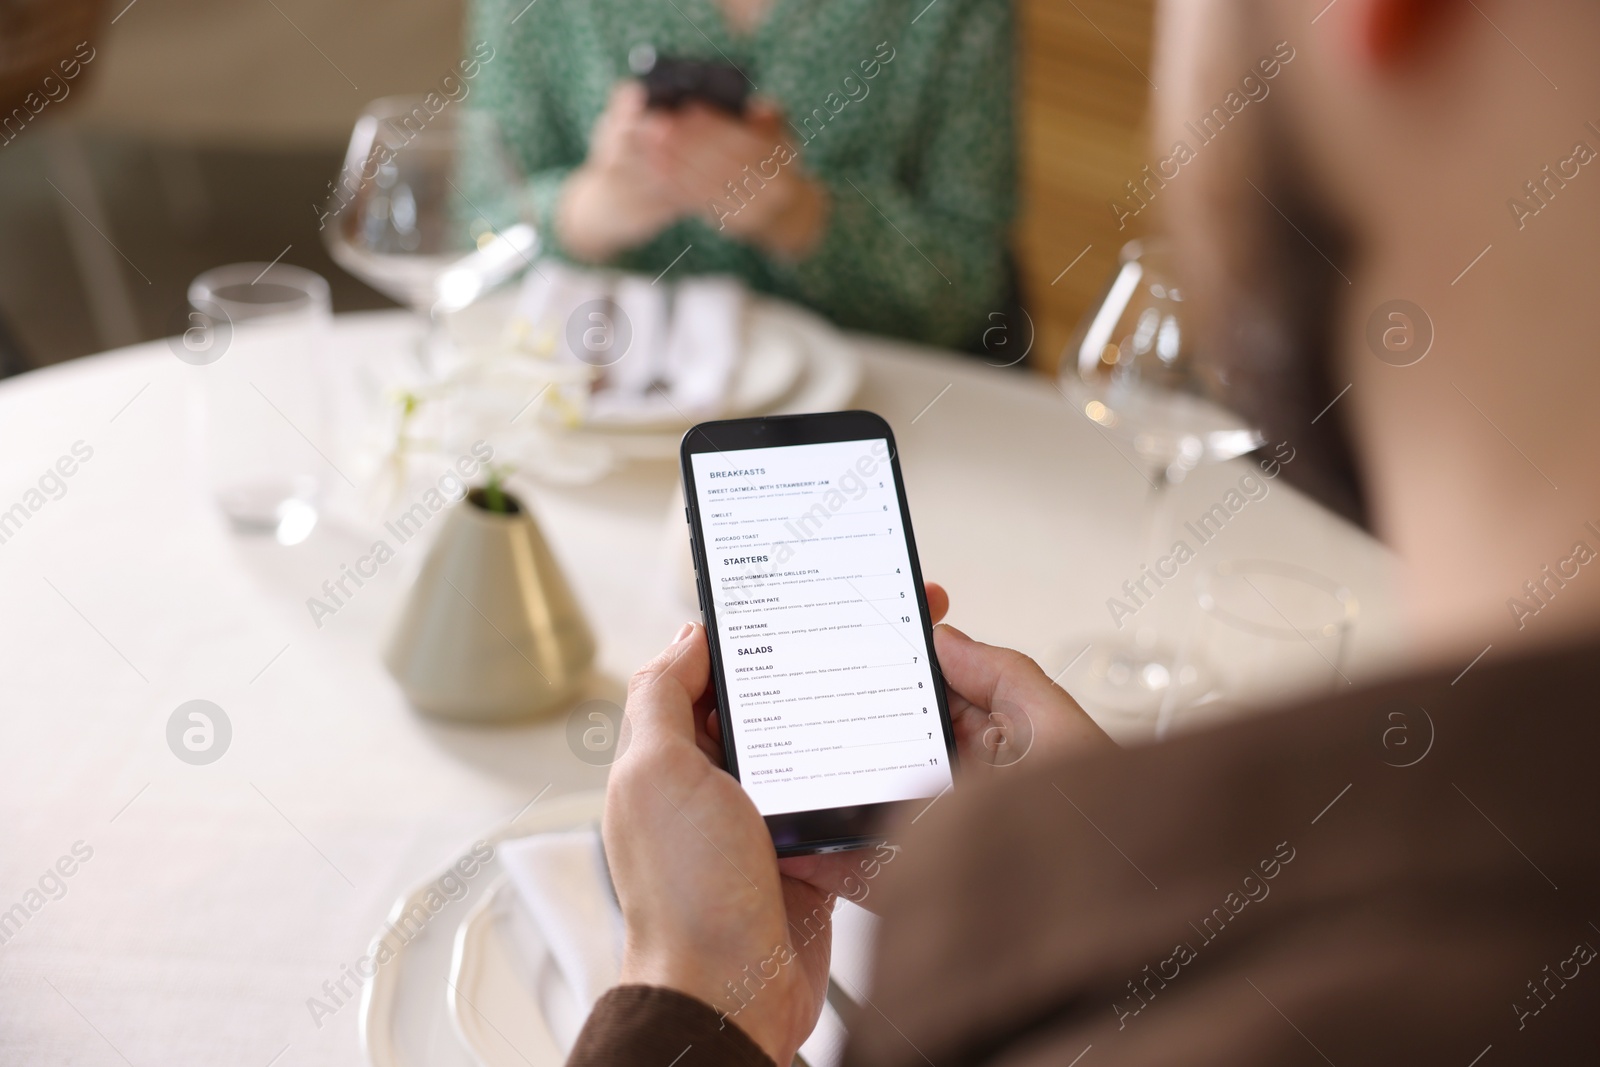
(831, 704)
(671, 81)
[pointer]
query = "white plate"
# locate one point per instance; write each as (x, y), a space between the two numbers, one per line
(458, 994)
(509, 1010)
(794, 361)
(832, 374)
(773, 358)
(405, 1018)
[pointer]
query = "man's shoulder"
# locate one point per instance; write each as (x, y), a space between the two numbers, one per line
(1518, 728)
(1381, 860)
(1507, 725)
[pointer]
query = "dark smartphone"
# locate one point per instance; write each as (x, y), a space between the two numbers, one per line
(670, 82)
(831, 704)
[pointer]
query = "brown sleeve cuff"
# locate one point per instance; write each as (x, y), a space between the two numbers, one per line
(646, 1026)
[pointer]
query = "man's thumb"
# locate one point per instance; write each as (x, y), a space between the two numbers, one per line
(662, 693)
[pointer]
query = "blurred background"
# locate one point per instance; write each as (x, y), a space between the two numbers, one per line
(207, 131)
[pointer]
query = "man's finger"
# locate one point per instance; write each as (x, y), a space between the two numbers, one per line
(989, 674)
(708, 734)
(938, 601)
(1004, 681)
(840, 874)
(661, 695)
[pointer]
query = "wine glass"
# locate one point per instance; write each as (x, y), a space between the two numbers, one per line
(1131, 370)
(429, 209)
(1266, 632)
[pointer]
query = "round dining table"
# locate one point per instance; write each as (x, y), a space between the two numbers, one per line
(156, 910)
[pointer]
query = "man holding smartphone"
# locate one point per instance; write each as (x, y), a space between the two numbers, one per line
(1301, 887)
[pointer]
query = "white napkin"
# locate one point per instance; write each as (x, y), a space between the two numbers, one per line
(855, 929)
(629, 374)
(561, 881)
(704, 344)
(549, 296)
(567, 911)
(683, 340)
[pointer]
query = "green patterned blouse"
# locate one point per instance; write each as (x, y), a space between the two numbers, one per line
(901, 108)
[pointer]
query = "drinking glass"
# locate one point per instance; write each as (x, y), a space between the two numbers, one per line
(1266, 633)
(256, 336)
(429, 209)
(1131, 370)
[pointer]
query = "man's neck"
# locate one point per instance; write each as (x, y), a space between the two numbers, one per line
(1484, 457)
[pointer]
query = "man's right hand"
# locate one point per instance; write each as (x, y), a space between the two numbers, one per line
(1004, 707)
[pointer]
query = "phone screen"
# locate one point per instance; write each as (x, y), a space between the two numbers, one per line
(830, 683)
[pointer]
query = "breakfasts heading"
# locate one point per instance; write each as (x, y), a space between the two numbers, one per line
(744, 472)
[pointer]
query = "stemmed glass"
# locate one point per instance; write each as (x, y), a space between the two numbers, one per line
(429, 209)
(1266, 632)
(1131, 369)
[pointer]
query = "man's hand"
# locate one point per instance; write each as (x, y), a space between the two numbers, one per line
(705, 909)
(708, 908)
(1003, 707)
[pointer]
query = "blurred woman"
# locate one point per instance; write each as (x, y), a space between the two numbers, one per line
(870, 176)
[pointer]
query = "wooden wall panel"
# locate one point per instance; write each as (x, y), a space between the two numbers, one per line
(1084, 95)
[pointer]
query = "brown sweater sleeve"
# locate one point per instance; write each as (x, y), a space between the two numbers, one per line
(647, 1026)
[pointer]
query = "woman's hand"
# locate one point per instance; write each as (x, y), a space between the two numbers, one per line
(620, 197)
(705, 909)
(647, 169)
(774, 205)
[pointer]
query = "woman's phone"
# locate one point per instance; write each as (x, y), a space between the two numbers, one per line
(671, 81)
(831, 704)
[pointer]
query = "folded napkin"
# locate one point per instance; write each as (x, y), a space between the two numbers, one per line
(561, 881)
(703, 347)
(657, 351)
(631, 374)
(564, 912)
(551, 294)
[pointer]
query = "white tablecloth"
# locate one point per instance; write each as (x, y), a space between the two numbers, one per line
(216, 900)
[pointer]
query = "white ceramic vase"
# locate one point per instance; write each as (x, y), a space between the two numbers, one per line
(490, 632)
